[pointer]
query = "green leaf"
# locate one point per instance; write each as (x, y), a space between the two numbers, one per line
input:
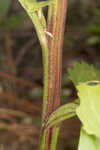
(89, 108)
(83, 72)
(62, 113)
(88, 142)
(4, 7)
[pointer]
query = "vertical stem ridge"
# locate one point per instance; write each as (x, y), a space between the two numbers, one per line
(60, 32)
(56, 23)
(56, 28)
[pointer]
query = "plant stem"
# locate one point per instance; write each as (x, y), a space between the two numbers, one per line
(51, 44)
(56, 27)
(44, 46)
(56, 23)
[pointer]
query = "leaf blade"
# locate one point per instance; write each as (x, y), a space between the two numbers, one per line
(89, 108)
(88, 142)
(83, 72)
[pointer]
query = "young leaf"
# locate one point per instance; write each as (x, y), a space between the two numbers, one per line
(88, 142)
(89, 108)
(62, 113)
(83, 72)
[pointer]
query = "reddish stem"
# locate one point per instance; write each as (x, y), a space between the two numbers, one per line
(56, 27)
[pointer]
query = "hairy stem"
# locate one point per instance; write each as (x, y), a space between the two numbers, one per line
(56, 23)
(51, 44)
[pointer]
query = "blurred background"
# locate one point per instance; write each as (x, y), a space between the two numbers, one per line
(21, 71)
